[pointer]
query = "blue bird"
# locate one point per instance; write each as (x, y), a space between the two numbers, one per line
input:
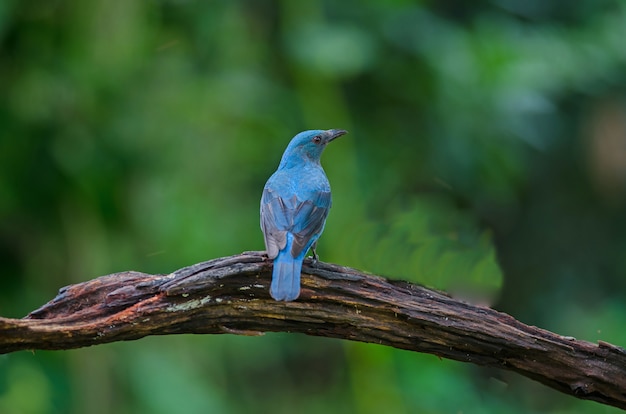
(294, 206)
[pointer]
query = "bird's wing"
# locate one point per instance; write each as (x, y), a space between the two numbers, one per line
(308, 220)
(304, 219)
(275, 221)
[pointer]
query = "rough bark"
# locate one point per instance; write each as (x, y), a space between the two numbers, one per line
(230, 295)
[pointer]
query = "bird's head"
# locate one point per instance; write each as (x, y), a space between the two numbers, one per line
(310, 144)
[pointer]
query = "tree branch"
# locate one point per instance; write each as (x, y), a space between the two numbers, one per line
(230, 295)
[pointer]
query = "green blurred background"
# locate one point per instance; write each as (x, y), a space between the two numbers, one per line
(486, 157)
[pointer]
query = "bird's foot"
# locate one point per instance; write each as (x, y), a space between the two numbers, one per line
(314, 258)
(264, 255)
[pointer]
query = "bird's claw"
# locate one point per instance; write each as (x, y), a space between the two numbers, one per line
(314, 258)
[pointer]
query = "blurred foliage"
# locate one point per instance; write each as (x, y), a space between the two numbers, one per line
(486, 157)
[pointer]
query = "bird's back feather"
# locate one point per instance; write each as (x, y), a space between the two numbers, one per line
(299, 209)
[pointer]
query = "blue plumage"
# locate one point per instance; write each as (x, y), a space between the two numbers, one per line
(294, 206)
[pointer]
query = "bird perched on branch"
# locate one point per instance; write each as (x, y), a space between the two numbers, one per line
(294, 206)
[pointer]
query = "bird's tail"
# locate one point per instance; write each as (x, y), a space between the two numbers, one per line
(286, 277)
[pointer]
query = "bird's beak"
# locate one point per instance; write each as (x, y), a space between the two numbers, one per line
(332, 134)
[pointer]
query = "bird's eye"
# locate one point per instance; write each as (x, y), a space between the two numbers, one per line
(317, 139)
